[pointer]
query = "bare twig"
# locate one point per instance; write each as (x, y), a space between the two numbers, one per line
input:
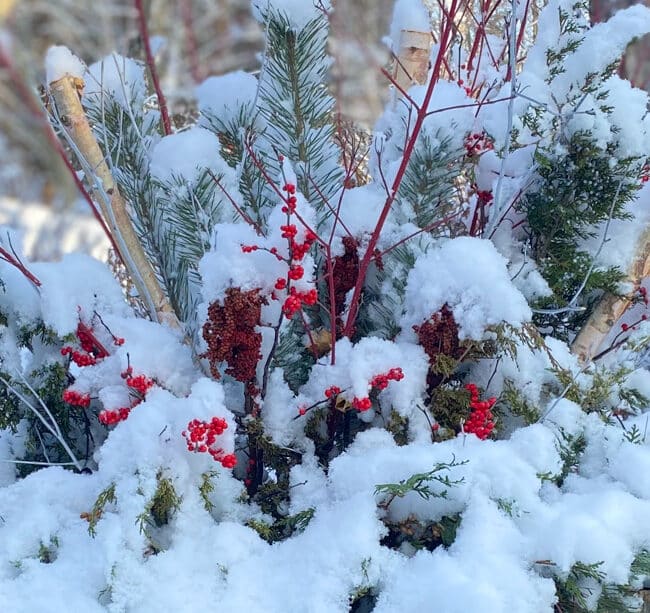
(151, 64)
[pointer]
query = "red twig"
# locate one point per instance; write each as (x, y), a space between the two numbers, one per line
(408, 152)
(15, 262)
(478, 103)
(237, 208)
(27, 97)
(431, 226)
(190, 38)
(146, 41)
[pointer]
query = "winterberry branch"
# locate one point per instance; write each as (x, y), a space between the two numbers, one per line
(151, 64)
(406, 157)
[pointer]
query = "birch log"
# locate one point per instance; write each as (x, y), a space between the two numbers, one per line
(67, 96)
(412, 63)
(610, 308)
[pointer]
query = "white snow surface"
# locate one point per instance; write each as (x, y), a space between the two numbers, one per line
(61, 62)
(517, 527)
(185, 155)
(472, 279)
(408, 15)
(225, 95)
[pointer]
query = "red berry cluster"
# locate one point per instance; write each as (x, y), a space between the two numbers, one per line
(201, 437)
(89, 342)
(80, 358)
(231, 334)
(477, 143)
(295, 301)
(110, 417)
(91, 352)
(92, 349)
(290, 200)
(481, 420)
(332, 391)
(379, 382)
(345, 273)
(76, 398)
(361, 404)
(140, 384)
(643, 291)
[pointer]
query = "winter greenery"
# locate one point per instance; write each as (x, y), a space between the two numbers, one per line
(366, 396)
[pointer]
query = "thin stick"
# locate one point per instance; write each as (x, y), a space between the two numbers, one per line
(65, 92)
(151, 64)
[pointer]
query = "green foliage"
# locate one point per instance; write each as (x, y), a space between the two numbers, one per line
(47, 553)
(164, 503)
(634, 435)
(570, 447)
(449, 405)
(398, 426)
(105, 497)
(283, 527)
(10, 405)
(428, 185)
(206, 488)
(576, 191)
(572, 593)
(295, 70)
(574, 590)
(518, 404)
(421, 484)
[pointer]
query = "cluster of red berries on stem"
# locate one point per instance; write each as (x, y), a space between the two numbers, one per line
(91, 352)
(379, 382)
(481, 420)
(201, 437)
(332, 392)
(76, 398)
(139, 386)
(92, 348)
(295, 301)
(477, 143)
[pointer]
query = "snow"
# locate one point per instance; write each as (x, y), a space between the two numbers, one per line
(408, 15)
(525, 511)
(472, 279)
(61, 62)
(185, 155)
(224, 96)
(76, 285)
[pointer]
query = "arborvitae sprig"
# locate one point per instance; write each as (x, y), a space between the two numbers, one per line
(575, 193)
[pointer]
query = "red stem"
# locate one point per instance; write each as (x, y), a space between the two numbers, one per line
(14, 261)
(146, 41)
(27, 97)
(190, 37)
(421, 115)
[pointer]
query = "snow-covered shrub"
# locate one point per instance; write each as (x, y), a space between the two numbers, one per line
(340, 378)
